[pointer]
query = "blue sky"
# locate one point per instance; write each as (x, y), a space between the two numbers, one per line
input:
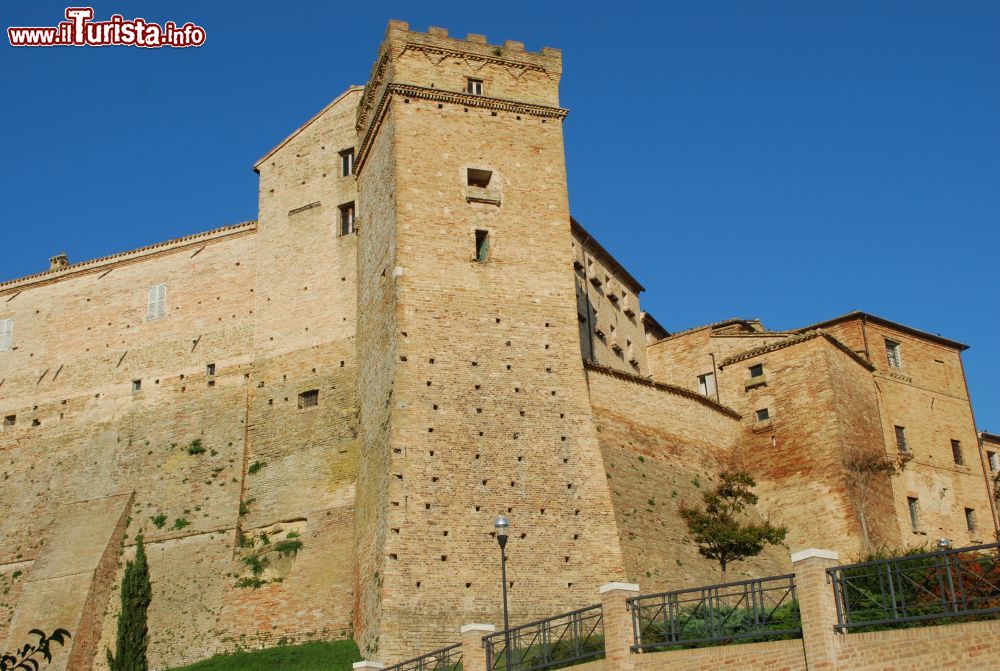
(790, 161)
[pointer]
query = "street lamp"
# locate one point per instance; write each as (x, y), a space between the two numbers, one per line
(502, 524)
(944, 544)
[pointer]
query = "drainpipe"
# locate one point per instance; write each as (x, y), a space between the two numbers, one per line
(715, 375)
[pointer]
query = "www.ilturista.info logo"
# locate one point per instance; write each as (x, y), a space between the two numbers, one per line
(80, 30)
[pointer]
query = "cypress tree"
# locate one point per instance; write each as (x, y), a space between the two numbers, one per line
(133, 634)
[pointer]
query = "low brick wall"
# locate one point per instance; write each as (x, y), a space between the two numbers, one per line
(968, 645)
(773, 656)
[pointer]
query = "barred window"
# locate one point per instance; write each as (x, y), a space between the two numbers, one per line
(956, 452)
(914, 506)
(901, 439)
(309, 399)
(893, 354)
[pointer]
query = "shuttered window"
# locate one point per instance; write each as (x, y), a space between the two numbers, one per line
(156, 302)
(6, 334)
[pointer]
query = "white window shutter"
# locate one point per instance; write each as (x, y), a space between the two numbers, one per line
(161, 301)
(151, 304)
(6, 334)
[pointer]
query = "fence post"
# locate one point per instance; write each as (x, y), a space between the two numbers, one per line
(817, 607)
(473, 650)
(618, 636)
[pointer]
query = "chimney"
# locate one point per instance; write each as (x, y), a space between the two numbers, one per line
(58, 262)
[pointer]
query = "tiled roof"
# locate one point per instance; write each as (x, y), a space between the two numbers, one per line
(858, 314)
(669, 388)
(132, 253)
(795, 340)
(725, 322)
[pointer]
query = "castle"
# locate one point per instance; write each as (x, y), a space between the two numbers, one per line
(314, 417)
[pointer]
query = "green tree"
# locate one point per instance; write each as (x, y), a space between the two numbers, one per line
(868, 473)
(723, 530)
(133, 633)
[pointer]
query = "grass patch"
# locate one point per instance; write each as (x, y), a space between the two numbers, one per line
(316, 656)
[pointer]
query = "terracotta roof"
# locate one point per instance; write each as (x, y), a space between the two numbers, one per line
(592, 243)
(858, 314)
(669, 388)
(93, 264)
(991, 437)
(795, 340)
(724, 322)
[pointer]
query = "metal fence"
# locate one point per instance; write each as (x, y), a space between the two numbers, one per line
(444, 659)
(903, 591)
(552, 643)
(751, 610)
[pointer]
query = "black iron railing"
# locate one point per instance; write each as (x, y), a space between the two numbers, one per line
(552, 643)
(751, 610)
(918, 588)
(443, 659)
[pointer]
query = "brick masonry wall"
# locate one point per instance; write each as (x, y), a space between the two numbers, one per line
(496, 420)
(662, 450)
(777, 656)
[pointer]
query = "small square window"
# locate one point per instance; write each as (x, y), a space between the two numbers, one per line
(136, 385)
(970, 519)
(474, 86)
(309, 399)
(478, 177)
(956, 452)
(10, 420)
(894, 354)
(914, 507)
(901, 439)
(482, 246)
(347, 162)
(346, 219)
(763, 414)
(757, 370)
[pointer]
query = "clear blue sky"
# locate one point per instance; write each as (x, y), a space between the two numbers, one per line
(790, 161)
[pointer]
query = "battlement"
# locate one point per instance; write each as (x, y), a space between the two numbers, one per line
(475, 43)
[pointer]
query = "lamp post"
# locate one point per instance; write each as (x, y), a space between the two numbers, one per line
(944, 544)
(502, 524)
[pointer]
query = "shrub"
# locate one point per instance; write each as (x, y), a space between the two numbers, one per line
(180, 523)
(256, 466)
(196, 447)
(159, 520)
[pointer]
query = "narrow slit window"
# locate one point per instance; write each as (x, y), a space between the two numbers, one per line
(347, 162)
(309, 399)
(474, 86)
(970, 519)
(914, 507)
(901, 439)
(956, 452)
(479, 177)
(6, 334)
(156, 302)
(346, 219)
(482, 246)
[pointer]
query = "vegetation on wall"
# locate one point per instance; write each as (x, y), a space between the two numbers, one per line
(722, 529)
(133, 633)
(867, 473)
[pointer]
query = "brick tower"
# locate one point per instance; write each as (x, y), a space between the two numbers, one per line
(472, 390)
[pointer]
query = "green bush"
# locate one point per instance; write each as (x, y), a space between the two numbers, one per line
(196, 447)
(316, 656)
